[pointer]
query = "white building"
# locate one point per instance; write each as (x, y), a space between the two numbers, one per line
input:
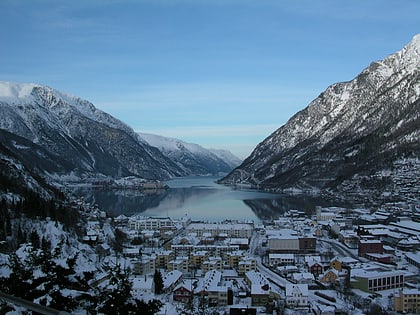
(297, 295)
(233, 230)
(281, 259)
(153, 224)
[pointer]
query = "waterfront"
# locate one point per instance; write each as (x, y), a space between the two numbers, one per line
(201, 199)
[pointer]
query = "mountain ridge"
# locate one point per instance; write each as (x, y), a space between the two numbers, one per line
(80, 140)
(90, 140)
(353, 128)
(191, 157)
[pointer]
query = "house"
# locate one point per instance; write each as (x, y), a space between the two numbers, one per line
(329, 276)
(407, 301)
(315, 268)
(336, 263)
(184, 292)
(303, 277)
(143, 285)
(212, 278)
(297, 295)
(171, 280)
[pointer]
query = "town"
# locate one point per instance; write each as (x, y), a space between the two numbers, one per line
(335, 261)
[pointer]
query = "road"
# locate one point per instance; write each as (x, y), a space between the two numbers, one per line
(340, 248)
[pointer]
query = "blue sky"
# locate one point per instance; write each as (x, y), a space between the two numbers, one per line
(223, 74)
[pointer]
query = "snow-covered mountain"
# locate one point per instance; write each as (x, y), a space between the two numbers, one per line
(353, 137)
(193, 158)
(58, 134)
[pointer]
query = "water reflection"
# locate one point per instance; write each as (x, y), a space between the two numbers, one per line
(201, 199)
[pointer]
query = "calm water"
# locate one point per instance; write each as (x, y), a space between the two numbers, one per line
(201, 199)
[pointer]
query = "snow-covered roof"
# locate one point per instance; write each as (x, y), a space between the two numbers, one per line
(171, 277)
(299, 287)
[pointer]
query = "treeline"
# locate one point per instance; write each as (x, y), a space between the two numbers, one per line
(32, 206)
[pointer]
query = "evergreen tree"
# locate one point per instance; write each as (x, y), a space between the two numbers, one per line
(117, 298)
(158, 280)
(34, 239)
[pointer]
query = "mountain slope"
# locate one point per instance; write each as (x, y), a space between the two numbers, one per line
(192, 158)
(83, 139)
(352, 130)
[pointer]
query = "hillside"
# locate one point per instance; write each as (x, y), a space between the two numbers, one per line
(357, 138)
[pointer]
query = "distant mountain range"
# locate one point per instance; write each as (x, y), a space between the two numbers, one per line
(192, 158)
(59, 136)
(358, 138)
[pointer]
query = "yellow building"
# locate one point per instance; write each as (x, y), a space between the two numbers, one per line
(247, 264)
(329, 276)
(407, 301)
(197, 258)
(233, 259)
(163, 257)
(212, 263)
(336, 264)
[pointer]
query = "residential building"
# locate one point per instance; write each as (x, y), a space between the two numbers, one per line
(315, 268)
(144, 265)
(407, 301)
(329, 276)
(163, 257)
(260, 288)
(184, 292)
(151, 224)
(217, 295)
(235, 230)
(303, 277)
(297, 295)
(179, 263)
(212, 263)
(246, 264)
(233, 259)
(211, 279)
(197, 258)
(336, 263)
(171, 280)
